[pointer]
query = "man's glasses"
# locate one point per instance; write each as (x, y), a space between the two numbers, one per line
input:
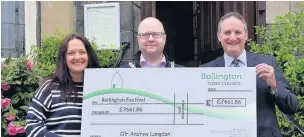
(154, 35)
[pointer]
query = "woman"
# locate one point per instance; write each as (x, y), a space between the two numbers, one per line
(56, 106)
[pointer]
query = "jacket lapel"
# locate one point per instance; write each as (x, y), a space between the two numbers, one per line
(220, 62)
(251, 59)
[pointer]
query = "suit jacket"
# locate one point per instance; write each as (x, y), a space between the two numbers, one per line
(285, 99)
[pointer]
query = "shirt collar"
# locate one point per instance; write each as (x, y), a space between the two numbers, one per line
(242, 58)
(145, 64)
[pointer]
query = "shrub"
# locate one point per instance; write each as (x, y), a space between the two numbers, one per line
(285, 40)
(45, 56)
(18, 81)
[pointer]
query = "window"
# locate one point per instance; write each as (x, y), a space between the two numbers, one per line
(12, 29)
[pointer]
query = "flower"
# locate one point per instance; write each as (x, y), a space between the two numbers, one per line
(10, 117)
(5, 86)
(5, 102)
(29, 65)
(12, 129)
(3, 66)
(10, 124)
(20, 129)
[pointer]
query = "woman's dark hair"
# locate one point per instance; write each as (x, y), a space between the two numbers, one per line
(62, 74)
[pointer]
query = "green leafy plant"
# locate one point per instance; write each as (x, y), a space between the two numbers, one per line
(18, 81)
(45, 56)
(285, 40)
(107, 58)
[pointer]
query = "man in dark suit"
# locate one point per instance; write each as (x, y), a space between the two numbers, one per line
(272, 88)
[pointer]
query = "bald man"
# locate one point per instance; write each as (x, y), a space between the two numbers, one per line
(151, 39)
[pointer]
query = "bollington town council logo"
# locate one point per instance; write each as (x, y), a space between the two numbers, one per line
(116, 81)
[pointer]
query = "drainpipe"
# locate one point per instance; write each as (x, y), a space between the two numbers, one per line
(38, 24)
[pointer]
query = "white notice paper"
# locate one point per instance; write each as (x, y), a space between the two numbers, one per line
(102, 25)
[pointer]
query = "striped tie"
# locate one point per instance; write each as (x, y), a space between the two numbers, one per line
(235, 63)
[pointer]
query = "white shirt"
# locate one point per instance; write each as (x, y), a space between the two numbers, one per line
(242, 60)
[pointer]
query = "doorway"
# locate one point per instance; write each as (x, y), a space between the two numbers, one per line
(191, 31)
(177, 18)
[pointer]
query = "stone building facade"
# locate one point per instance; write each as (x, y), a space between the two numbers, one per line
(190, 26)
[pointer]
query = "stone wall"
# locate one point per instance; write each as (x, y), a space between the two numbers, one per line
(279, 8)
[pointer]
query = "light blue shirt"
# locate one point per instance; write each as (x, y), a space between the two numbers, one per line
(242, 58)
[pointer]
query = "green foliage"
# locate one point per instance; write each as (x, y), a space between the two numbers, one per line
(18, 81)
(285, 40)
(45, 57)
(107, 58)
(288, 129)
